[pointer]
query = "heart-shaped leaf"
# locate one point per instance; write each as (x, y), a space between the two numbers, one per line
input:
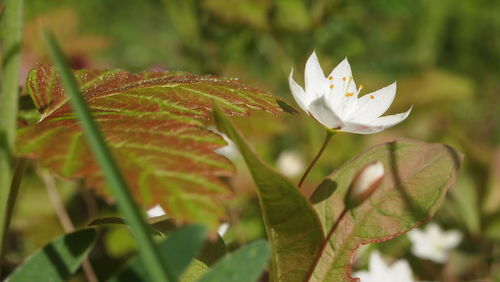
(417, 176)
(58, 260)
(151, 121)
(292, 225)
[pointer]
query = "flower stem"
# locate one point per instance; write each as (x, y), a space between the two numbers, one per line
(329, 135)
(325, 243)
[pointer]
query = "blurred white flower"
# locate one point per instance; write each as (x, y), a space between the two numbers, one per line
(379, 271)
(223, 229)
(229, 151)
(366, 181)
(334, 102)
(155, 211)
(290, 163)
(433, 243)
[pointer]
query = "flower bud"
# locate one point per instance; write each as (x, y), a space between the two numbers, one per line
(366, 181)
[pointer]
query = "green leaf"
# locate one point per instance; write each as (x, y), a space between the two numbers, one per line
(417, 176)
(492, 227)
(466, 204)
(244, 265)
(212, 250)
(152, 122)
(194, 271)
(58, 260)
(178, 250)
(119, 221)
(292, 225)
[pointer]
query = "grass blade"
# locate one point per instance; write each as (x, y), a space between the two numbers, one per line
(12, 26)
(154, 265)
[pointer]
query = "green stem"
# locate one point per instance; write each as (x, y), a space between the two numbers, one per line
(12, 26)
(155, 266)
(329, 135)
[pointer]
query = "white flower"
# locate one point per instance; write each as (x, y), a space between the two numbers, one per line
(156, 211)
(229, 151)
(379, 271)
(364, 183)
(334, 101)
(290, 163)
(433, 243)
(223, 227)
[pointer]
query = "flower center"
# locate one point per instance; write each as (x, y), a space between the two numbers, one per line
(346, 87)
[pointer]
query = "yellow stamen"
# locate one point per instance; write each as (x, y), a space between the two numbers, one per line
(330, 77)
(331, 86)
(348, 94)
(372, 97)
(343, 78)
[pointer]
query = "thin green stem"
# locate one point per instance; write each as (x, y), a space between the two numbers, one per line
(156, 267)
(329, 135)
(12, 26)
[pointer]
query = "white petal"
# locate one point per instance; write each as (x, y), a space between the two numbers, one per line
(359, 128)
(439, 256)
(290, 163)
(342, 70)
(373, 105)
(302, 99)
(223, 229)
(368, 175)
(452, 239)
(416, 237)
(433, 231)
(155, 211)
(401, 271)
(364, 276)
(315, 82)
(323, 113)
(377, 264)
(343, 83)
(391, 120)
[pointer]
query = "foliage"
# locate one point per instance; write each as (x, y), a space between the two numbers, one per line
(444, 55)
(292, 226)
(150, 120)
(417, 177)
(58, 260)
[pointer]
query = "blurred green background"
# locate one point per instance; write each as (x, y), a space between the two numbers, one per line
(445, 55)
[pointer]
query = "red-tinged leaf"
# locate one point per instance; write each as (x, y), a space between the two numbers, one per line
(417, 176)
(151, 121)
